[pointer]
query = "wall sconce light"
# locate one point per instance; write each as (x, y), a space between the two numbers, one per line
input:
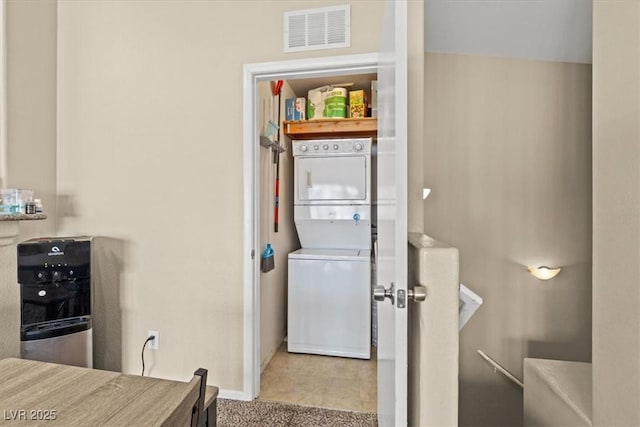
(544, 273)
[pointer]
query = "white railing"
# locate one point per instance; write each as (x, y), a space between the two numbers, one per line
(498, 368)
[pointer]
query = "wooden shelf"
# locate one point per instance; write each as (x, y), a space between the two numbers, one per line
(331, 128)
(22, 217)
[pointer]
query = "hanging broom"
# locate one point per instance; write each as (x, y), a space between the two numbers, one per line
(276, 89)
(267, 262)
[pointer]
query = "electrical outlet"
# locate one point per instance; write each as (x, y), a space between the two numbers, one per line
(154, 344)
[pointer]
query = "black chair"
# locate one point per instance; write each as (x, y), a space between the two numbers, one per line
(198, 416)
(189, 411)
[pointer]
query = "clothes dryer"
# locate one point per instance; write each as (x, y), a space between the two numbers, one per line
(332, 193)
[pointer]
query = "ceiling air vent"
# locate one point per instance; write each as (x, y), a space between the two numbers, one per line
(314, 29)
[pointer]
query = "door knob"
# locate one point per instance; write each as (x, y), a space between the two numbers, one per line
(418, 293)
(380, 293)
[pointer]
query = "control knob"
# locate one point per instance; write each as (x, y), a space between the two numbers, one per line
(336, 146)
(358, 146)
(325, 146)
(304, 148)
(316, 147)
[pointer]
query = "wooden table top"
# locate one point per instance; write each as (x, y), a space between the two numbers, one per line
(39, 393)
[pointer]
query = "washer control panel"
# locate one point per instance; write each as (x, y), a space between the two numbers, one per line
(332, 146)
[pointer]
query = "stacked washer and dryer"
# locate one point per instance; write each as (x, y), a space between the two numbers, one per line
(329, 288)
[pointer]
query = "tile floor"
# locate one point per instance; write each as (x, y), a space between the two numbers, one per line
(322, 381)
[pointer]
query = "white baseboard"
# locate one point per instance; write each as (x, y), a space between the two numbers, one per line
(270, 355)
(233, 395)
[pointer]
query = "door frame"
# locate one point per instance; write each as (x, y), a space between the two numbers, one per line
(3, 98)
(252, 75)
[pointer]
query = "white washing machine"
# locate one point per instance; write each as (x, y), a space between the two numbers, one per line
(329, 306)
(329, 302)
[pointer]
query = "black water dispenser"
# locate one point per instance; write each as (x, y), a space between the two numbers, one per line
(54, 275)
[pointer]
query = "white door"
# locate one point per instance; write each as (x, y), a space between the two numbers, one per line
(392, 218)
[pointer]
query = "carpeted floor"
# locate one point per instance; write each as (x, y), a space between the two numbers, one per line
(234, 413)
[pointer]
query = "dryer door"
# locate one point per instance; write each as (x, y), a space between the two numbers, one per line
(331, 179)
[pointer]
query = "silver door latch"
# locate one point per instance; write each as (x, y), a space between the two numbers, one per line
(380, 293)
(417, 294)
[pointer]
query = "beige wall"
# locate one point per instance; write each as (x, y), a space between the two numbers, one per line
(9, 298)
(31, 105)
(150, 154)
(508, 156)
(31, 132)
(273, 284)
(616, 213)
(415, 134)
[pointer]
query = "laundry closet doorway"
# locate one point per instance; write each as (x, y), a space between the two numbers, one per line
(266, 332)
(391, 290)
